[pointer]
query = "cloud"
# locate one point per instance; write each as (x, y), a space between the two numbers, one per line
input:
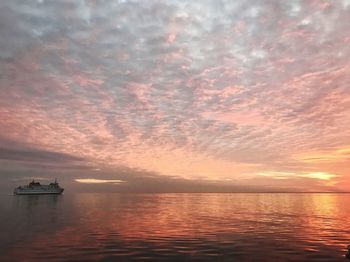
(98, 181)
(19, 155)
(35, 155)
(210, 89)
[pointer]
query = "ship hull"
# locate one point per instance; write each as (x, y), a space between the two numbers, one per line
(17, 192)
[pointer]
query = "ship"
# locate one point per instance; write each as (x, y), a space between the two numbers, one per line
(35, 188)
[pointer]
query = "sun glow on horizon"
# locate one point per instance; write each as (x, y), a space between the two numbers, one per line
(286, 175)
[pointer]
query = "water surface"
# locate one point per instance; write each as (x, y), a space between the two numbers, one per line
(150, 227)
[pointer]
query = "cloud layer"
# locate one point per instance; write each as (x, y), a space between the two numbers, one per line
(241, 92)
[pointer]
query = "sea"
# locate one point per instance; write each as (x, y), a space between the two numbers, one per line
(175, 227)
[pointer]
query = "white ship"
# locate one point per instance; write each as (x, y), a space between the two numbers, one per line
(35, 188)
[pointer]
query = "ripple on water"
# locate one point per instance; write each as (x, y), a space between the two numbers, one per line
(211, 227)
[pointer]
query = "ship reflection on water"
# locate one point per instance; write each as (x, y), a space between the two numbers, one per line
(176, 226)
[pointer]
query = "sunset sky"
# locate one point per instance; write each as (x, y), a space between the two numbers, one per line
(176, 96)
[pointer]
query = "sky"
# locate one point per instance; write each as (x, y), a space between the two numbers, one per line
(176, 96)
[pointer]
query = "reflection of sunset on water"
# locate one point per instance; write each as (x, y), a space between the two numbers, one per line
(325, 220)
(103, 225)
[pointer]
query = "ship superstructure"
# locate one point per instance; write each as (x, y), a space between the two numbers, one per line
(35, 188)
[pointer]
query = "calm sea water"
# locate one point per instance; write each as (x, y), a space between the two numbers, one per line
(213, 227)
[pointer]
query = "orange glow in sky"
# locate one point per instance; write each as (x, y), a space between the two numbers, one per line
(253, 95)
